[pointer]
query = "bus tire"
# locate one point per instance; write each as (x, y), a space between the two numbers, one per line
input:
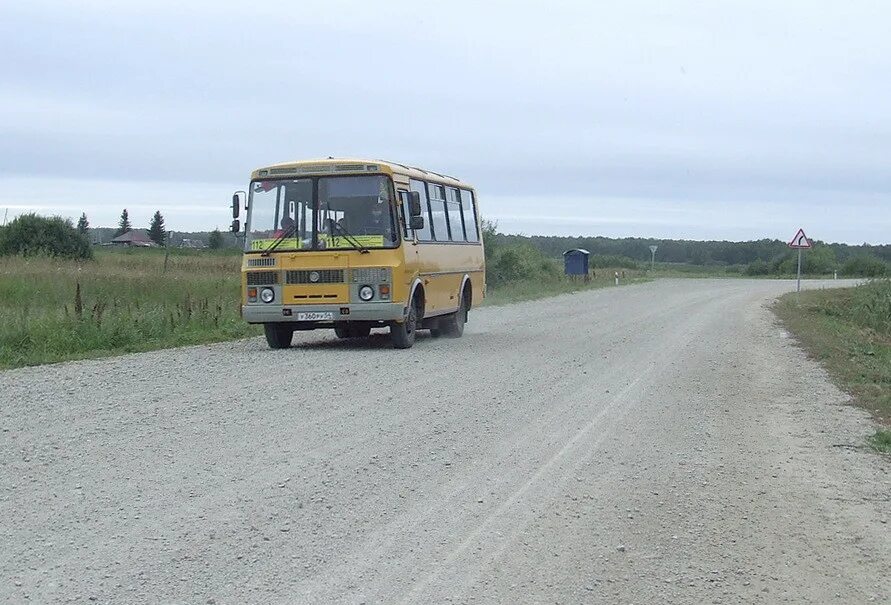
(453, 325)
(278, 336)
(403, 334)
(341, 331)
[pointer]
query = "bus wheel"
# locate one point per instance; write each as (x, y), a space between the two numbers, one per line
(278, 335)
(453, 325)
(403, 334)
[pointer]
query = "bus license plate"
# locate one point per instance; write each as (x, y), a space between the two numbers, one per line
(316, 316)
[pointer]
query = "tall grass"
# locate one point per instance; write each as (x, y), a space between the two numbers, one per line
(849, 330)
(867, 306)
(54, 310)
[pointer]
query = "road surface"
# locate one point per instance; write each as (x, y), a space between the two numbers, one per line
(658, 443)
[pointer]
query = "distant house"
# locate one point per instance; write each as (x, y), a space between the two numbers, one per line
(192, 243)
(134, 237)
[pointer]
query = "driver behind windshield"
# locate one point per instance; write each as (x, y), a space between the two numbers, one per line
(378, 221)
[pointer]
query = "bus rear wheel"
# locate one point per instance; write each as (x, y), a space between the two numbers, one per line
(403, 334)
(453, 325)
(278, 336)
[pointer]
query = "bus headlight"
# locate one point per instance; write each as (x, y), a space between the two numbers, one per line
(267, 295)
(366, 293)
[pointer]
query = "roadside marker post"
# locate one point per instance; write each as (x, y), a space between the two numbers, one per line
(800, 242)
(653, 260)
(617, 278)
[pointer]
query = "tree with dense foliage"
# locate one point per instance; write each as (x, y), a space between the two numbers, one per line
(758, 267)
(30, 234)
(156, 231)
(123, 224)
(215, 241)
(83, 225)
(865, 266)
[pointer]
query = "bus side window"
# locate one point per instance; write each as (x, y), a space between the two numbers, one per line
(470, 222)
(453, 213)
(424, 234)
(438, 212)
(405, 214)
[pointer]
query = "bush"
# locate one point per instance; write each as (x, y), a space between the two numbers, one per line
(31, 235)
(519, 262)
(818, 261)
(759, 267)
(865, 266)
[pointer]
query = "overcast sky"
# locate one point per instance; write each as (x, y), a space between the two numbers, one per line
(705, 120)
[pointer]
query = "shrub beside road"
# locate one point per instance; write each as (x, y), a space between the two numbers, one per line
(849, 331)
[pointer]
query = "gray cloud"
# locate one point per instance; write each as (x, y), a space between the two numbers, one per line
(691, 107)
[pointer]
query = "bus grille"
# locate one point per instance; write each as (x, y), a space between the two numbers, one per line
(325, 276)
(261, 262)
(262, 278)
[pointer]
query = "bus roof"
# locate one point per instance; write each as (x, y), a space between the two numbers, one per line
(351, 165)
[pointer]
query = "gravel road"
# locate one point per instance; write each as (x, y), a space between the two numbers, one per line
(659, 443)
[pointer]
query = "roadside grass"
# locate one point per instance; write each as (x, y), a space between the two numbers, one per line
(123, 301)
(849, 331)
(684, 270)
(675, 270)
(881, 441)
(524, 290)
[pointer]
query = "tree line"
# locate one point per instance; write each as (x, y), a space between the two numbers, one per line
(31, 234)
(759, 257)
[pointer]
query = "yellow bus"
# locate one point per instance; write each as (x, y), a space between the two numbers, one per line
(352, 245)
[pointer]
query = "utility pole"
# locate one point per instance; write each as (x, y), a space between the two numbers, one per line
(653, 259)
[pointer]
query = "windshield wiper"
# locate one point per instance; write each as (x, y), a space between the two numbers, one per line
(285, 235)
(349, 237)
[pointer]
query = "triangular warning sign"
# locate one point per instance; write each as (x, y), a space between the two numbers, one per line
(800, 240)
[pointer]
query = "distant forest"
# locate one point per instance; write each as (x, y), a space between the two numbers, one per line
(761, 257)
(687, 251)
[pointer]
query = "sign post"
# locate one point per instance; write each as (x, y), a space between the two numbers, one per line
(800, 242)
(653, 260)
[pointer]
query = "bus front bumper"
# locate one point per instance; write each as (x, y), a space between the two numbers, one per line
(371, 311)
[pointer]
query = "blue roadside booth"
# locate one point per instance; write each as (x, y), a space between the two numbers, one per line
(575, 263)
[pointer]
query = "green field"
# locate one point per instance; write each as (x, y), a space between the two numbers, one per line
(54, 309)
(125, 301)
(849, 331)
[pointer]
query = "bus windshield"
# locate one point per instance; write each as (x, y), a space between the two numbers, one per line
(321, 213)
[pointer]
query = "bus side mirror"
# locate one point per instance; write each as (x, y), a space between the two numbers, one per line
(238, 199)
(236, 226)
(414, 203)
(417, 222)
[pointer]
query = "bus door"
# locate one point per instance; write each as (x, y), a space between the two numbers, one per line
(409, 242)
